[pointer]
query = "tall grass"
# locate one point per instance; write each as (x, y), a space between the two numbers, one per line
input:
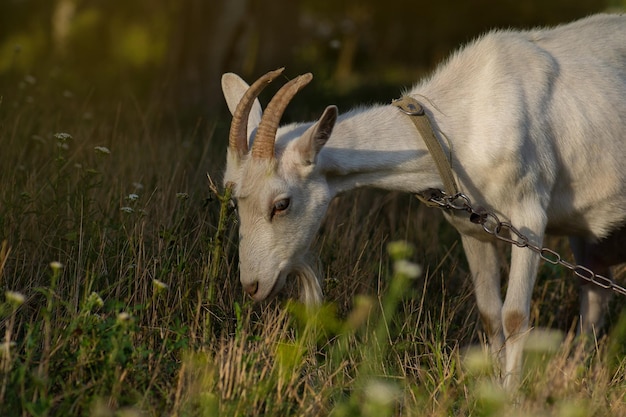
(119, 290)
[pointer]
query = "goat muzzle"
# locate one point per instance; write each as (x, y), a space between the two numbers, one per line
(252, 288)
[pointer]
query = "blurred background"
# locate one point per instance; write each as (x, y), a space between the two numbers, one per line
(172, 52)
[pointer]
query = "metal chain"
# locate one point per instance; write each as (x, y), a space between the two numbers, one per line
(506, 232)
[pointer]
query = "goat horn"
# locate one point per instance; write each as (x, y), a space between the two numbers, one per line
(238, 137)
(263, 146)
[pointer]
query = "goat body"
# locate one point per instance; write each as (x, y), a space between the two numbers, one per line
(534, 122)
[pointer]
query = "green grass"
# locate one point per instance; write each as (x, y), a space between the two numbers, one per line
(119, 291)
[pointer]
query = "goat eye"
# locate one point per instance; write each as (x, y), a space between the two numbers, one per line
(280, 206)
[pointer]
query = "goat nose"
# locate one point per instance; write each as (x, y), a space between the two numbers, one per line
(251, 289)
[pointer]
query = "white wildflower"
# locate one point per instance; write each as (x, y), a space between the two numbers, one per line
(159, 285)
(56, 266)
(132, 197)
(95, 300)
(407, 268)
(123, 317)
(127, 209)
(15, 298)
(381, 393)
(62, 136)
(103, 150)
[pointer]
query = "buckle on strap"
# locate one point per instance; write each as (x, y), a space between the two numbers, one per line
(409, 106)
(415, 110)
(430, 197)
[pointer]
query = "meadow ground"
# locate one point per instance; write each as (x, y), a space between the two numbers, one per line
(119, 291)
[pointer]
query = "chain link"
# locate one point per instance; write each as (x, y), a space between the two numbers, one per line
(508, 233)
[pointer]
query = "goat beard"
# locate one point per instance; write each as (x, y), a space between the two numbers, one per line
(308, 279)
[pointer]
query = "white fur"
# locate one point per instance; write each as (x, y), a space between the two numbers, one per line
(536, 123)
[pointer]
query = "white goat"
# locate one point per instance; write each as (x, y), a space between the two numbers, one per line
(534, 122)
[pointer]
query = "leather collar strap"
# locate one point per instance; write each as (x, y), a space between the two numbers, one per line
(415, 111)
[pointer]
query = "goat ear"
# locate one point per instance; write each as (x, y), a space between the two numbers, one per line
(234, 87)
(309, 144)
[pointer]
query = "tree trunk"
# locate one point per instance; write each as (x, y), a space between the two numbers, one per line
(204, 42)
